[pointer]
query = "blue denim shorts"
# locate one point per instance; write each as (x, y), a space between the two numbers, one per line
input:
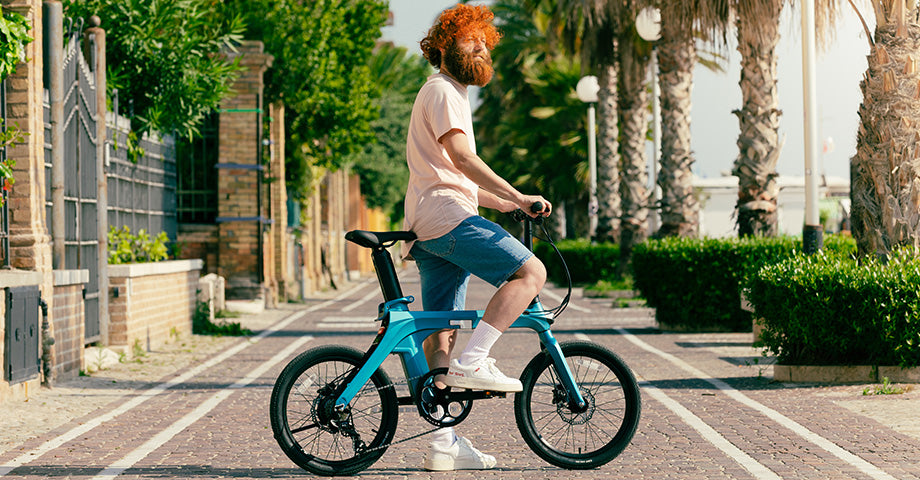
(476, 246)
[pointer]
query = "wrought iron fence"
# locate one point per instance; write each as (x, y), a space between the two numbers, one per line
(142, 186)
(197, 183)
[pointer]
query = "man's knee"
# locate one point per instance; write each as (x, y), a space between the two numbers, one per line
(533, 271)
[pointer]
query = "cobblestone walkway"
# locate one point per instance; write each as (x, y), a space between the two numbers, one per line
(198, 408)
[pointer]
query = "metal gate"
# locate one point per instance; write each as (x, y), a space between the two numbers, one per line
(81, 246)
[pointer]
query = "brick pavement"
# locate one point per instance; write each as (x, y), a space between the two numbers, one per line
(708, 411)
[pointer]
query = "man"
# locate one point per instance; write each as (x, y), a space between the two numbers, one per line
(447, 184)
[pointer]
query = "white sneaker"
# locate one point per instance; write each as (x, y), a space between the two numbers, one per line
(480, 375)
(459, 456)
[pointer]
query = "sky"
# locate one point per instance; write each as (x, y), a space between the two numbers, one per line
(714, 128)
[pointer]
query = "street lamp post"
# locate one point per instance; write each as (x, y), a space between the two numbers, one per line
(812, 234)
(586, 90)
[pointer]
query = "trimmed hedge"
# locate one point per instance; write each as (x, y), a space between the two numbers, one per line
(695, 284)
(824, 310)
(588, 262)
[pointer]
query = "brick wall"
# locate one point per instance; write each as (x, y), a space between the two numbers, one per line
(153, 302)
(69, 322)
(199, 241)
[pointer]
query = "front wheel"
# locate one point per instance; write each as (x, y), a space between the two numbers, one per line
(569, 438)
(317, 436)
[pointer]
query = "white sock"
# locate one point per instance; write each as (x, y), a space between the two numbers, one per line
(443, 438)
(484, 336)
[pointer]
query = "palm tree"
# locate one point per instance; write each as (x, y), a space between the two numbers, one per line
(530, 124)
(759, 145)
(634, 56)
(603, 32)
(885, 172)
(588, 29)
(677, 56)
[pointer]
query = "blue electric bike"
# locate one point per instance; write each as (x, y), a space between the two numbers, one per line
(334, 410)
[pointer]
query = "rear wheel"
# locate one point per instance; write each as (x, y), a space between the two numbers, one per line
(309, 429)
(575, 438)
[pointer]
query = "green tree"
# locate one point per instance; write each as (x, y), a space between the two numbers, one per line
(530, 125)
(587, 30)
(381, 165)
(321, 73)
(14, 36)
(162, 57)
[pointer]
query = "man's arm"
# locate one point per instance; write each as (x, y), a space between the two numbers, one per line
(488, 199)
(458, 148)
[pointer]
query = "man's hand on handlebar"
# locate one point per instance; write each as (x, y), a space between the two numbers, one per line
(536, 206)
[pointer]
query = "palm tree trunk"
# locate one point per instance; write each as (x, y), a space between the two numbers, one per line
(758, 142)
(677, 56)
(885, 172)
(608, 158)
(632, 89)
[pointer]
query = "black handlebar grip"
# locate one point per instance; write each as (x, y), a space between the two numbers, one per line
(537, 207)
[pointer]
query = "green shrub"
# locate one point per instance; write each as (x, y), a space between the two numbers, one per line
(202, 324)
(588, 262)
(695, 284)
(125, 247)
(827, 310)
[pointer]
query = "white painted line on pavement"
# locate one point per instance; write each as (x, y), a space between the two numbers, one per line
(557, 298)
(138, 454)
(145, 395)
(832, 448)
(343, 326)
(333, 320)
(360, 302)
(757, 469)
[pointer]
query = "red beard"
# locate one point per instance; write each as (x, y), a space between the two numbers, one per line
(468, 69)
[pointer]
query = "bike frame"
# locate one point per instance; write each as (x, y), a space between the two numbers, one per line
(402, 332)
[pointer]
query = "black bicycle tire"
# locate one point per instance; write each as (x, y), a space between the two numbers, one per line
(524, 402)
(291, 446)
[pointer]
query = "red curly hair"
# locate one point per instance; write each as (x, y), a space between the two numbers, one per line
(455, 23)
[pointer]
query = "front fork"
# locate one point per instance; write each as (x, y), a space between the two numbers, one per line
(576, 402)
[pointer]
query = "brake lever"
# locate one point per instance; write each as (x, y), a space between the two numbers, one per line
(518, 215)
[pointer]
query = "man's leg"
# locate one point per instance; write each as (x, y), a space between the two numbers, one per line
(438, 347)
(504, 308)
(444, 289)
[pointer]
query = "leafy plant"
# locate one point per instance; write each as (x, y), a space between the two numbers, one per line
(125, 247)
(8, 137)
(886, 388)
(202, 324)
(14, 36)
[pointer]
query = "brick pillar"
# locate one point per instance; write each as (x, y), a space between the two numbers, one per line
(240, 210)
(30, 244)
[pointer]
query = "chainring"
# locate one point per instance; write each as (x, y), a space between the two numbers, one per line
(435, 404)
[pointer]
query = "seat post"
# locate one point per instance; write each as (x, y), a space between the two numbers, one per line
(386, 274)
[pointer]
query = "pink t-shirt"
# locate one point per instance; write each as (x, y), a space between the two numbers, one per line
(439, 196)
